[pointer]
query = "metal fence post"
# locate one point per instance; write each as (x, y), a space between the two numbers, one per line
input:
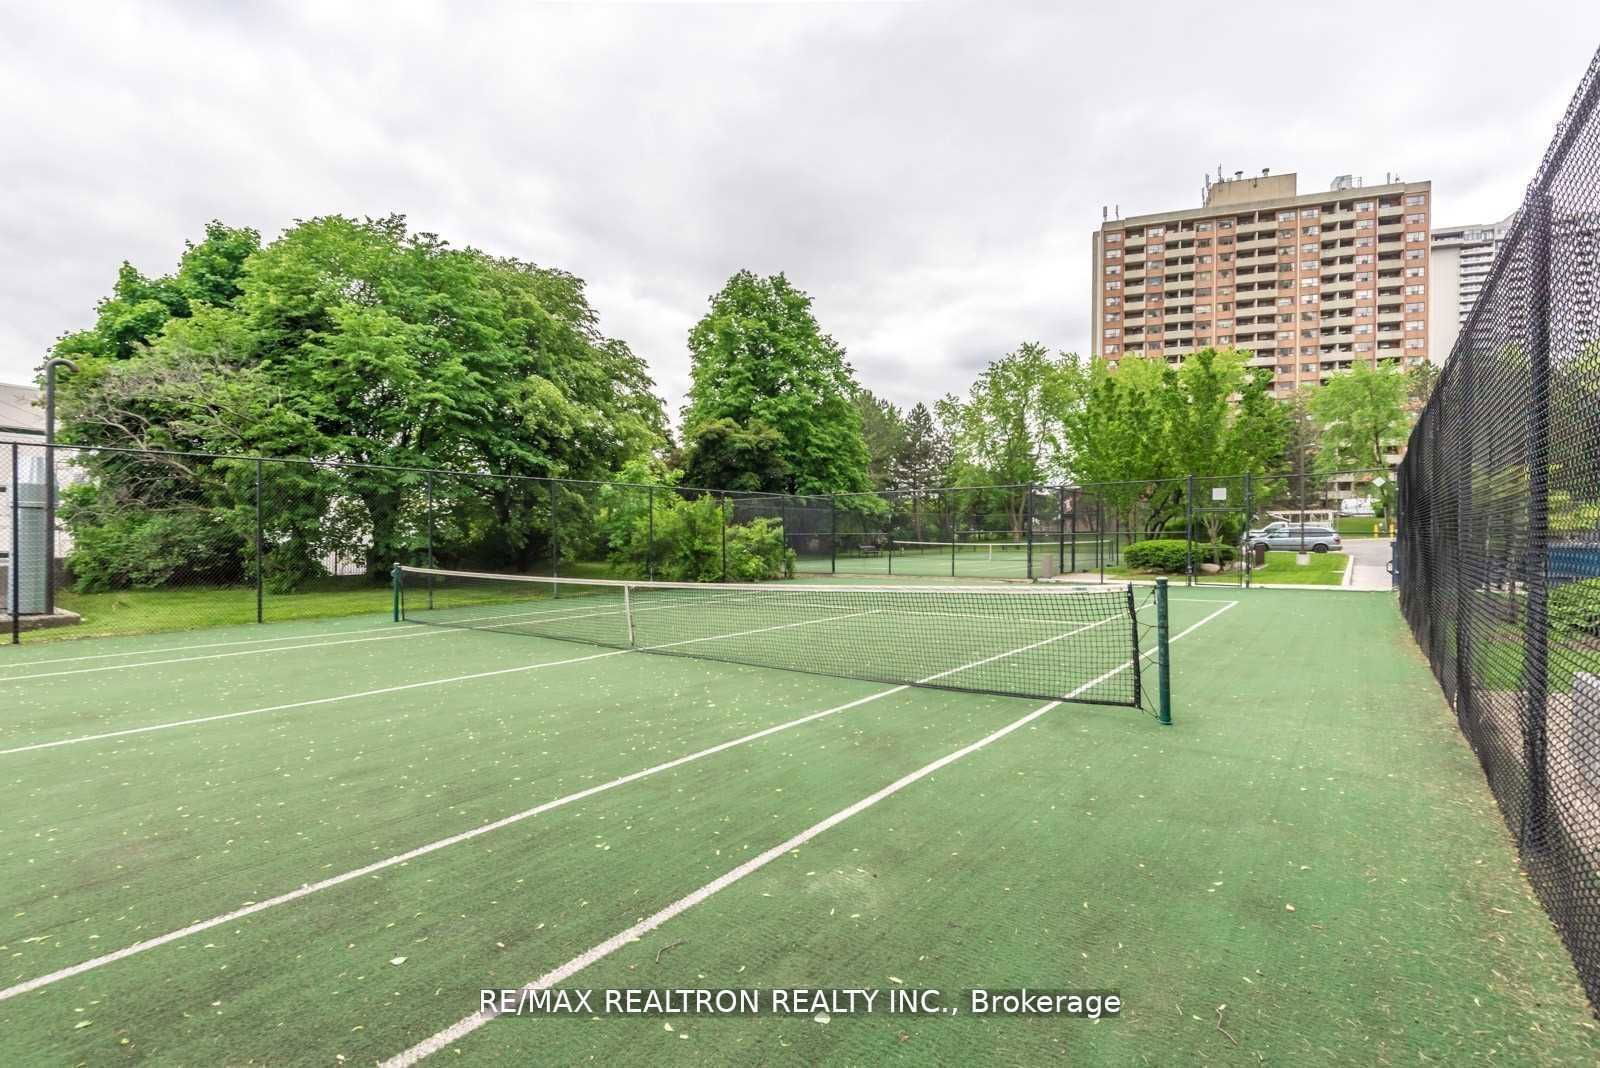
(1027, 522)
(1249, 519)
(431, 561)
(1061, 529)
(650, 542)
(722, 513)
(833, 536)
(1188, 531)
(1536, 660)
(260, 582)
(13, 577)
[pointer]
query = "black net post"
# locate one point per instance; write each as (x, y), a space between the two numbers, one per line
(1163, 661)
(260, 582)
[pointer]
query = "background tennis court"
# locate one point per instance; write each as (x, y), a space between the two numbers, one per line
(396, 815)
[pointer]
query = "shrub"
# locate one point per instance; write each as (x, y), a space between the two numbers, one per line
(1171, 555)
(687, 544)
(146, 550)
(1575, 607)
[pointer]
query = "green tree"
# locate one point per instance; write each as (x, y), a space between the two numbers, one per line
(884, 430)
(1361, 415)
(1420, 380)
(1117, 432)
(1223, 424)
(359, 341)
(720, 454)
(758, 356)
(925, 455)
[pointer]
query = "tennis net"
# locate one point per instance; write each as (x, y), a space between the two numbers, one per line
(1074, 644)
(983, 550)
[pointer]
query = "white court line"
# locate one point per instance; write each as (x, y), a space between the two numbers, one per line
(431, 847)
(398, 689)
(470, 1023)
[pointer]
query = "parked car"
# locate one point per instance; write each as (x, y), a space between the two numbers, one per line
(1296, 537)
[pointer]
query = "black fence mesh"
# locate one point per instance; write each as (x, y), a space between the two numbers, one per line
(1499, 540)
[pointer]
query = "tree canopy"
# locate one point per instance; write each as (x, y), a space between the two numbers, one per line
(360, 341)
(759, 356)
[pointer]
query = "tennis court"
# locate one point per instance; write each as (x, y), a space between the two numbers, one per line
(316, 842)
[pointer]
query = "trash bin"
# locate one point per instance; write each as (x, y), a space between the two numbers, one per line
(1394, 565)
(1258, 555)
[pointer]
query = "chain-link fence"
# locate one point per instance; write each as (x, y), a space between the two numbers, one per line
(1499, 543)
(148, 540)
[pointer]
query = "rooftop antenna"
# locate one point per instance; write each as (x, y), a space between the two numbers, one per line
(1265, 171)
(1237, 175)
(1105, 213)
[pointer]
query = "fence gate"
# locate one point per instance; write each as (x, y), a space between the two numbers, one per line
(1218, 514)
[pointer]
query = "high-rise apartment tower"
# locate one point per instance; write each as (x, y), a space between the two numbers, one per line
(1310, 284)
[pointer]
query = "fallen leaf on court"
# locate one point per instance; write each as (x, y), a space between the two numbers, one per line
(397, 960)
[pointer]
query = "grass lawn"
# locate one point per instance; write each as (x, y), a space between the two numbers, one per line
(120, 612)
(1323, 569)
(1361, 526)
(146, 611)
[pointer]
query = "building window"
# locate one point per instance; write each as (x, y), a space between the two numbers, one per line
(1113, 253)
(1415, 236)
(1113, 269)
(1306, 283)
(1363, 328)
(1416, 290)
(1113, 332)
(1112, 283)
(1363, 205)
(1308, 298)
(1156, 231)
(1415, 253)
(1311, 231)
(1111, 350)
(1416, 218)
(1364, 258)
(1112, 302)
(1363, 346)
(1363, 242)
(1416, 307)
(1364, 312)
(1364, 224)
(1414, 326)
(1414, 199)
(1203, 227)
(1283, 215)
(1416, 342)
(1113, 236)
(1415, 272)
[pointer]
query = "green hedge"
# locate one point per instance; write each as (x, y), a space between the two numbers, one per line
(1172, 555)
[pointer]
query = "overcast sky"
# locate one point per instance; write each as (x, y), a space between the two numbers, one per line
(929, 173)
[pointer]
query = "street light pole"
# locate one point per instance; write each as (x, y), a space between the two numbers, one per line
(50, 479)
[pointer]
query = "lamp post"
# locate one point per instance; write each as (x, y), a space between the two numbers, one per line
(50, 479)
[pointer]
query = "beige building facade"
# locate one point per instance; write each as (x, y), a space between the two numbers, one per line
(1310, 284)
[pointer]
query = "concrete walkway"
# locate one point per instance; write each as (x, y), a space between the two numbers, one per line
(1369, 559)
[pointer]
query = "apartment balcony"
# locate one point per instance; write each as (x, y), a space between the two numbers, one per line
(1390, 320)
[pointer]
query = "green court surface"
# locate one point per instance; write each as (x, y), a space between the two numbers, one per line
(315, 842)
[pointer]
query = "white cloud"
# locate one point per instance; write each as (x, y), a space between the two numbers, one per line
(929, 173)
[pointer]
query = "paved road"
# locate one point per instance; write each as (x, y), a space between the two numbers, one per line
(1370, 558)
